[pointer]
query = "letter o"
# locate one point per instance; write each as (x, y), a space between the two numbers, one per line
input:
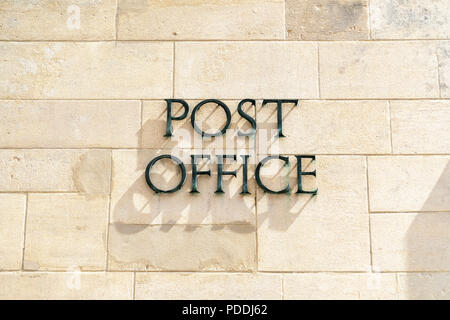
(180, 165)
(219, 103)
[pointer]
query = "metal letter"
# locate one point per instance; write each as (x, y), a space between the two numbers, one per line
(180, 165)
(221, 172)
(247, 117)
(279, 112)
(300, 173)
(258, 169)
(195, 172)
(245, 175)
(170, 117)
(219, 103)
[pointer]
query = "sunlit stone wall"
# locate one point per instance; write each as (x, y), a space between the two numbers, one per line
(82, 112)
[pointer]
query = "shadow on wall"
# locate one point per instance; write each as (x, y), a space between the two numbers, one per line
(135, 206)
(428, 246)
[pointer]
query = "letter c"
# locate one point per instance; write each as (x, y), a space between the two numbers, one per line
(258, 169)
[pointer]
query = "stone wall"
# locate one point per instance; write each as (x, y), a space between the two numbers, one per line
(82, 112)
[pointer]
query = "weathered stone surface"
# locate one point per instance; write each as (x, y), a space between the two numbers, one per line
(207, 286)
(327, 232)
(412, 19)
(69, 124)
(66, 231)
(339, 286)
(424, 286)
(411, 241)
(210, 118)
(420, 126)
(444, 68)
(133, 202)
(232, 70)
(409, 183)
(82, 114)
(200, 20)
(57, 20)
(378, 70)
(326, 127)
(66, 285)
(327, 19)
(181, 248)
(12, 217)
(84, 70)
(85, 171)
